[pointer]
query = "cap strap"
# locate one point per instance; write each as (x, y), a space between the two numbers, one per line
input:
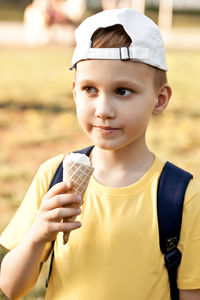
(109, 53)
(123, 53)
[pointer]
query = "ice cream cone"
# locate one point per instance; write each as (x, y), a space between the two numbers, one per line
(79, 174)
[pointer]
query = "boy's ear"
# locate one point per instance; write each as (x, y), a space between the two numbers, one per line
(74, 89)
(162, 100)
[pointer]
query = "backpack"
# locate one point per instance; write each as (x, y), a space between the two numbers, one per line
(171, 190)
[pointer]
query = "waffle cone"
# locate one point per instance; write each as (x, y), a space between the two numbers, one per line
(80, 175)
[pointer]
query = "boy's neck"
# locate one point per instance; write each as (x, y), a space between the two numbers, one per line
(121, 167)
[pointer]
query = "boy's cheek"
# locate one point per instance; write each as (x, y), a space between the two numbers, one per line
(80, 116)
(74, 89)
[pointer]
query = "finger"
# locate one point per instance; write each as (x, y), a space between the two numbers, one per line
(63, 213)
(66, 227)
(59, 188)
(62, 200)
(69, 226)
(65, 237)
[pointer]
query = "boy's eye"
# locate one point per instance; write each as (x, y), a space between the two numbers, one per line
(90, 90)
(123, 92)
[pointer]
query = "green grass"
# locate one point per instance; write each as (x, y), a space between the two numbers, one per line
(51, 82)
(186, 20)
(37, 119)
(11, 14)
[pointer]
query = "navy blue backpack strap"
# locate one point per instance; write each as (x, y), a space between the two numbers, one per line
(58, 177)
(172, 186)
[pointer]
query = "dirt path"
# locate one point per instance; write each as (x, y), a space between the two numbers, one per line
(13, 33)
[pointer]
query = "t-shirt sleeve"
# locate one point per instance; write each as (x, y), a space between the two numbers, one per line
(189, 270)
(26, 213)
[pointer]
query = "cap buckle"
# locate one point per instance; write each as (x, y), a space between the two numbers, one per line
(124, 53)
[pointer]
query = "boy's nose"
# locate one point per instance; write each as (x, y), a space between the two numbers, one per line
(104, 109)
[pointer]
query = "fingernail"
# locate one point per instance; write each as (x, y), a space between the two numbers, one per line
(79, 224)
(67, 184)
(79, 198)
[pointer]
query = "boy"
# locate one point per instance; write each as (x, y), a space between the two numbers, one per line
(115, 254)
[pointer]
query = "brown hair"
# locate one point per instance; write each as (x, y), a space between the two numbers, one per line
(115, 37)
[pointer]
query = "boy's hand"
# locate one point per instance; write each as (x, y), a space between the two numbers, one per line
(56, 205)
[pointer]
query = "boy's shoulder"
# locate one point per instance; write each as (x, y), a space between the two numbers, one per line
(52, 162)
(193, 188)
(48, 168)
(193, 191)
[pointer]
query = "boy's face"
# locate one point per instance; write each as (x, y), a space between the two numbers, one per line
(114, 101)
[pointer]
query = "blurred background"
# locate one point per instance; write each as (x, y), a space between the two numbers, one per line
(37, 113)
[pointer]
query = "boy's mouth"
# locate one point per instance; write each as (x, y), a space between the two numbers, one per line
(106, 129)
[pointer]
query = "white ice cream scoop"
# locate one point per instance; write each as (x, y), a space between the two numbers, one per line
(78, 158)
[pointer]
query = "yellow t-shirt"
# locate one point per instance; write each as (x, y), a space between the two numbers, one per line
(115, 254)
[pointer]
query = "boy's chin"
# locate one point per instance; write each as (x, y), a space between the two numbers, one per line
(108, 146)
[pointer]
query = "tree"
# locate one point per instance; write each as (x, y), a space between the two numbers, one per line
(165, 15)
(138, 5)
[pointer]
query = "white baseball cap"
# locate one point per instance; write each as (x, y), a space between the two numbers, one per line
(147, 44)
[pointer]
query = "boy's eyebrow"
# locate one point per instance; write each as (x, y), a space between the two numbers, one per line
(119, 82)
(85, 81)
(126, 83)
